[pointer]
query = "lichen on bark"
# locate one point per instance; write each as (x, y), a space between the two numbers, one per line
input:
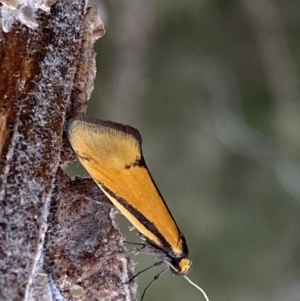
(46, 76)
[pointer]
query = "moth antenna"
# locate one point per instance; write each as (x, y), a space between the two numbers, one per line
(197, 287)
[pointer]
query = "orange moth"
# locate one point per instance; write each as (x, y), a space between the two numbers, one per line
(111, 153)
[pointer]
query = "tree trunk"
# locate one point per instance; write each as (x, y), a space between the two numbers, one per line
(47, 74)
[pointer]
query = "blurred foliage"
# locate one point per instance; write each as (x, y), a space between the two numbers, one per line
(214, 88)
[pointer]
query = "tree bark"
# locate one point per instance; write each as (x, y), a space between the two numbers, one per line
(47, 74)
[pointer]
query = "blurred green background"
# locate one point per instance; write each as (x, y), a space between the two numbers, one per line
(213, 86)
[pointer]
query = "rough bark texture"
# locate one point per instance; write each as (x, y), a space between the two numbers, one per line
(84, 253)
(46, 76)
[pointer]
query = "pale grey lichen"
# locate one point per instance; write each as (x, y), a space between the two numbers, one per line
(23, 11)
(30, 162)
